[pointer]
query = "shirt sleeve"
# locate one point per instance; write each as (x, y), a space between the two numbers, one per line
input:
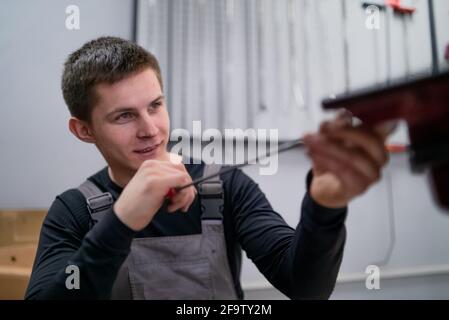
(302, 263)
(98, 254)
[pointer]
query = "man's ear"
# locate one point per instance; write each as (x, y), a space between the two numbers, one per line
(81, 130)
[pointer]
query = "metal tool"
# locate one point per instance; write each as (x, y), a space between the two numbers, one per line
(284, 147)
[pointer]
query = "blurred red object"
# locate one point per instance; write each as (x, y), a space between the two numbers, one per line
(396, 148)
(397, 7)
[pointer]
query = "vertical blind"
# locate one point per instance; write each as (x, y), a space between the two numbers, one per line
(269, 63)
(230, 63)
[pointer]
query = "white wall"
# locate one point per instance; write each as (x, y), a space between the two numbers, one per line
(39, 156)
(441, 22)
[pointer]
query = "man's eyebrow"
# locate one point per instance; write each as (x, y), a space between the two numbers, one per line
(157, 99)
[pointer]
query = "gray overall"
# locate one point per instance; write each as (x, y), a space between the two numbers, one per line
(176, 267)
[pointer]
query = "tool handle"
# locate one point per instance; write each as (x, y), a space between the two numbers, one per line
(171, 193)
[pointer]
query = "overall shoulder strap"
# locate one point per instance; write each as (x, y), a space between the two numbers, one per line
(98, 202)
(211, 194)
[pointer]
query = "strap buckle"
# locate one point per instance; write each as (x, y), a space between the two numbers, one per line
(99, 203)
(211, 189)
(212, 200)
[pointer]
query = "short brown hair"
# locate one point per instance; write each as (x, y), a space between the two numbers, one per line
(103, 60)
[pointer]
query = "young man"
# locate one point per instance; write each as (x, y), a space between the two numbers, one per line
(140, 248)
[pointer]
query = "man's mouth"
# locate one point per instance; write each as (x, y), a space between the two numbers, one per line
(148, 149)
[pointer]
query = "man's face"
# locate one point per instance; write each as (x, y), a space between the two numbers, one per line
(130, 122)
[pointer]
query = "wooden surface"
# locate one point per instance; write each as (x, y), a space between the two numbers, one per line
(19, 234)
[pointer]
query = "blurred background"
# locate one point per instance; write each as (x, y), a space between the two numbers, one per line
(230, 64)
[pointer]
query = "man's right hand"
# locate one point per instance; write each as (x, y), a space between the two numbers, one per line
(145, 193)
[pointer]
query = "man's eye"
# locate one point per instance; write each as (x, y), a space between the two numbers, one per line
(124, 115)
(157, 104)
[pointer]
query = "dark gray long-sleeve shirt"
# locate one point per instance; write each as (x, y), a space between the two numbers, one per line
(301, 263)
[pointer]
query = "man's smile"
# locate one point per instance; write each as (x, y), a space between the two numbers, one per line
(148, 150)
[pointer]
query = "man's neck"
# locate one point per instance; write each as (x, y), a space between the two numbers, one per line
(120, 179)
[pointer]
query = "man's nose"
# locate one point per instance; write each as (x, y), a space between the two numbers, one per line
(147, 127)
